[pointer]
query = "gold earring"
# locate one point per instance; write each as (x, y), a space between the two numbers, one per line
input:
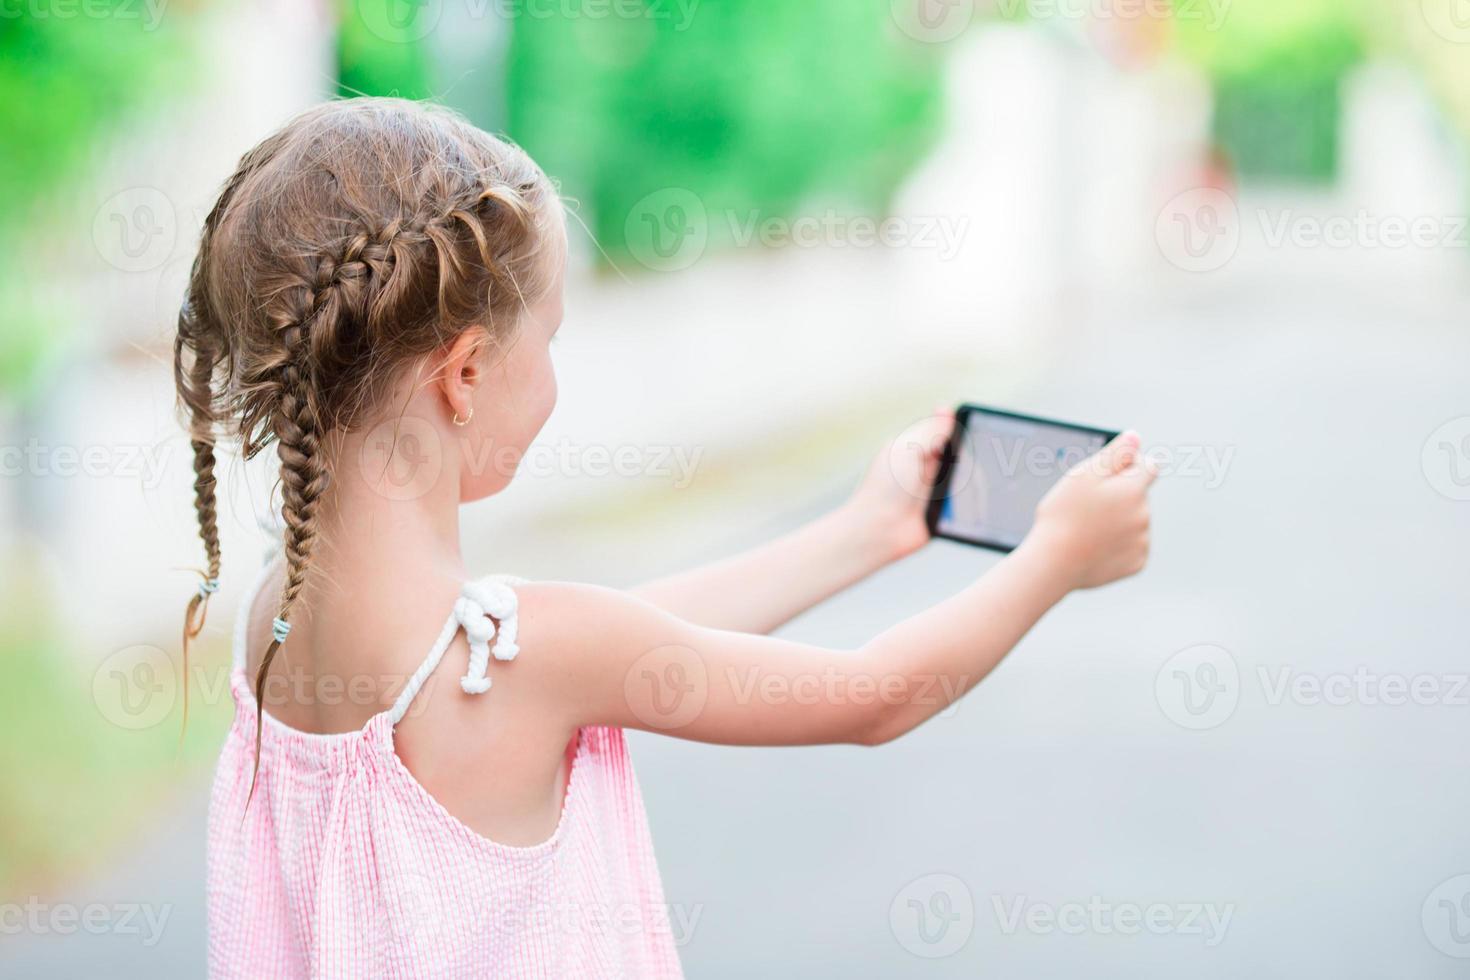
(466, 418)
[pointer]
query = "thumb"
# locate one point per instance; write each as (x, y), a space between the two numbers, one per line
(1119, 454)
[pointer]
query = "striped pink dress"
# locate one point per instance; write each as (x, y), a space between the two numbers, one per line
(345, 866)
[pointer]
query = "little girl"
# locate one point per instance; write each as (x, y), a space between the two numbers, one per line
(427, 774)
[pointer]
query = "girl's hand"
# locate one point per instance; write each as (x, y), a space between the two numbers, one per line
(890, 505)
(1095, 522)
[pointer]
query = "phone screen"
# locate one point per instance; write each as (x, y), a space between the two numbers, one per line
(1000, 465)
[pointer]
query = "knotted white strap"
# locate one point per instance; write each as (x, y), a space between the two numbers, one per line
(477, 604)
(473, 612)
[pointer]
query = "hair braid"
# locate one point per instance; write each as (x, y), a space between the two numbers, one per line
(196, 388)
(304, 471)
(357, 241)
(200, 333)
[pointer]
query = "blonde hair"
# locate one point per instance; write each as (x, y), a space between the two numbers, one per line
(358, 238)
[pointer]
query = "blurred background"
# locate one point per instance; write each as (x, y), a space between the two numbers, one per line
(1237, 225)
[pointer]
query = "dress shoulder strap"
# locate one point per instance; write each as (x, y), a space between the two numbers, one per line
(486, 610)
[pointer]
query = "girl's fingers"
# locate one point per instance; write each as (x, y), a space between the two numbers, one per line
(1120, 454)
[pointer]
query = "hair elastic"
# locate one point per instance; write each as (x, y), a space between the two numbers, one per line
(280, 629)
(208, 587)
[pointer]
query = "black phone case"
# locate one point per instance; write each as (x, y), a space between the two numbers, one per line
(940, 492)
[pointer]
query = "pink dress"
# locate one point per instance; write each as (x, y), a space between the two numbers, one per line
(344, 866)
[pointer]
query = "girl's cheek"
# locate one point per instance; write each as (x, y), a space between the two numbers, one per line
(548, 388)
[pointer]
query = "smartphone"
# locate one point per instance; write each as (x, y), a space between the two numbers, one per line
(995, 470)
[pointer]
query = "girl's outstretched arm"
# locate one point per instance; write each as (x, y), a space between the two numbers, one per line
(759, 590)
(604, 657)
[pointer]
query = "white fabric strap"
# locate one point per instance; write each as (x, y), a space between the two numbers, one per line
(480, 607)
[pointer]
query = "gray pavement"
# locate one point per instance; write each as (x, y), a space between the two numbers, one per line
(1098, 808)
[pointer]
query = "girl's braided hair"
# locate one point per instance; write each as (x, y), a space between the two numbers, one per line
(361, 237)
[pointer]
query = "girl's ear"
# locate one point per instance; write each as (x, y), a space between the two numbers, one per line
(463, 372)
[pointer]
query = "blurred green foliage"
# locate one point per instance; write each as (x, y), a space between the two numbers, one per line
(754, 106)
(64, 81)
(1277, 68)
(378, 53)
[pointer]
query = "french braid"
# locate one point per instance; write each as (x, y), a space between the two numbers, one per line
(363, 236)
